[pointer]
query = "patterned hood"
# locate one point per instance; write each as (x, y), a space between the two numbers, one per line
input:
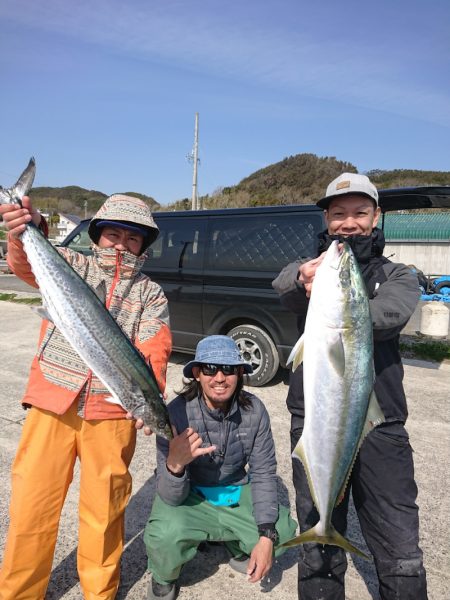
(125, 209)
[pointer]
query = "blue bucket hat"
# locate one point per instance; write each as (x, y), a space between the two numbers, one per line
(216, 350)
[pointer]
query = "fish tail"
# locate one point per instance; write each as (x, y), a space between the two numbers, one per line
(21, 187)
(333, 538)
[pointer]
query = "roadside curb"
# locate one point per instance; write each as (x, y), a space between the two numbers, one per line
(427, 364)
(17, 295)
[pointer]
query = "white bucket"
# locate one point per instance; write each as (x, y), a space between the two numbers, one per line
(434, 319)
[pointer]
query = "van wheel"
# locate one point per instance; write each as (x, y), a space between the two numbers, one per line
(257, 349)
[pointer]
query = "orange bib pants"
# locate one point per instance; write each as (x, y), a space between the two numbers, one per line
(41, 474)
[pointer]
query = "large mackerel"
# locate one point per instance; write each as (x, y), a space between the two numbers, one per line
(87, 325)
(338, 375)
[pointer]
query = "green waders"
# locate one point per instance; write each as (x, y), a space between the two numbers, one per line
(173, 533)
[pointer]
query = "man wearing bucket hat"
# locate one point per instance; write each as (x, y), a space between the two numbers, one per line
(70, 416)
(382, 480)
(204, 491)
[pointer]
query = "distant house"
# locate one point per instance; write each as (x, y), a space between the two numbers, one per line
(422, 240)
(67, 223)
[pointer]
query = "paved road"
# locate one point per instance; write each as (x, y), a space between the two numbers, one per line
(208, 575)
(11, 283)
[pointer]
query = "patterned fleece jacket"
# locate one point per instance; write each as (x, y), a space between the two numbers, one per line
(58, 375)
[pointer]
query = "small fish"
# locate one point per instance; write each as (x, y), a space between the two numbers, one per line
(87, 325)
(340, 405)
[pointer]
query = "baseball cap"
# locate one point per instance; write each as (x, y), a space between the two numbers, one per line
(349, 183)
(217, 350)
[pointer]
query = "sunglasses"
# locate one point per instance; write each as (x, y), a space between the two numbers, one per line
(210, 370)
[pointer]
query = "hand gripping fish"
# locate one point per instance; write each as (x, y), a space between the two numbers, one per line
(87, 325)
(338, 376)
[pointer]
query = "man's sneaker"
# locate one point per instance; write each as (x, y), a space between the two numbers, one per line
(160, 591)
(240, 563)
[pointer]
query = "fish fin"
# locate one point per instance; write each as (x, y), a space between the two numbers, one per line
(333, 538)
(336, 354)
(5, 198)
(296, 355)
(100, 291)
(114, 400)
(375, 415)
(25, 181)
(299, 453)
(42, 312)
(374, 418)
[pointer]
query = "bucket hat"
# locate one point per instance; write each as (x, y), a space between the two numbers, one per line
(217, 350)
(123, 225)
(125, 211)
(349, 183)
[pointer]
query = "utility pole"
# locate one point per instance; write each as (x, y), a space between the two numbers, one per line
(193, 156)
(85, 209)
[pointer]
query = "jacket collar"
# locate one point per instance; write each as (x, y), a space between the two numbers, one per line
(109, 259)
(216, 413)
(364, 247)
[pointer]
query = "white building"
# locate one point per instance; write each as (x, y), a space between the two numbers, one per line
(67, 223)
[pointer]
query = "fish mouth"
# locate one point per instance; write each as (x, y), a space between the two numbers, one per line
(340, 255)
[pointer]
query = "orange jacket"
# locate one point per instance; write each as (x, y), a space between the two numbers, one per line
(58, 375)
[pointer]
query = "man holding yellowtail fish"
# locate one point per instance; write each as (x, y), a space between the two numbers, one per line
(103, 352)
(347, 401)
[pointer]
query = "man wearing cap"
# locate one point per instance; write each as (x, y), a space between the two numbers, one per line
(69, 416)
(382, 480)
(204, 489)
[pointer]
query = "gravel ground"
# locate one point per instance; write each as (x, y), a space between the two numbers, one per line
(208, 575)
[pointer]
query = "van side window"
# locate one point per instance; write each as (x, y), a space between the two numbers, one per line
(81, 242)
(263, 243)
(178, 244)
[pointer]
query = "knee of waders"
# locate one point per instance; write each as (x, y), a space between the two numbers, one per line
(402, 578)
(402, 567)
(327, 561)
(162, 533)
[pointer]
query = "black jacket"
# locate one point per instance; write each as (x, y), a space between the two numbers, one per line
(393, 295)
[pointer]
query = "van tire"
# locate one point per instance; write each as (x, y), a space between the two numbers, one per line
(258, 349)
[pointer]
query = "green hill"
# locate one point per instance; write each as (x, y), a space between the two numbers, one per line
(302, 179)
(76, 200)
(299, 179)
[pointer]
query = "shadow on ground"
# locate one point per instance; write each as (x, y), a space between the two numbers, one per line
(365, 568)
(134, 559)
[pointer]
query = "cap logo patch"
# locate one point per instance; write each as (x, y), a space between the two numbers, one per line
(342, 185)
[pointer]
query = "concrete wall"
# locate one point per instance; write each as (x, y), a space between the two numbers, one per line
(433, 258)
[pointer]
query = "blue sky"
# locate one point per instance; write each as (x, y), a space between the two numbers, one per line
(104, 92)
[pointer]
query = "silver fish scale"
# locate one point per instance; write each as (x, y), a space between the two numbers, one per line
(93, 333)
(336, 403)
(87, 325)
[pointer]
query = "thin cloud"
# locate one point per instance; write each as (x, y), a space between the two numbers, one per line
(190, 35)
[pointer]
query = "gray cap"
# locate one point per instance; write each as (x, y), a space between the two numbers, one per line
(349, 183)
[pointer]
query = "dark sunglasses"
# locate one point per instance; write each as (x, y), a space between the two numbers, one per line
(209, 369)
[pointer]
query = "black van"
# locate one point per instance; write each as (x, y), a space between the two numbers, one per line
(216, 269)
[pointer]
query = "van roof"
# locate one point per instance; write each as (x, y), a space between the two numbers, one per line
(426, 196)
